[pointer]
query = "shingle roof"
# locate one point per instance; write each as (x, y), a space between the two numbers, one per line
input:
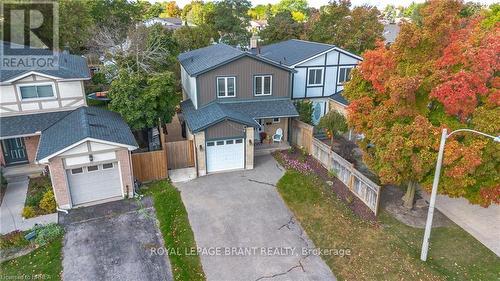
(293, 51)
(338, 97)
(29, 124)
(82, 123)
(209, 57)
(211, 114)
(241, 112)
(201, 60)
(67, 66)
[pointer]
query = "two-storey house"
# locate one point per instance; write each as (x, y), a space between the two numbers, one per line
(320, 71)
(45, 122)
(234, 101)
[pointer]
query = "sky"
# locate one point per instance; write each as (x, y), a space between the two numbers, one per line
(318, 3)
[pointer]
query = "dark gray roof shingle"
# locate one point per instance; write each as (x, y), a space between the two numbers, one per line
(67, 66)
(199, 60)
(84, 122)
(338, 97)
(11, 126)
(293, 51)
(241, 112)
(211, 114)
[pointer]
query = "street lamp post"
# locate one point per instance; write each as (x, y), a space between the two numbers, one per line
(435, 183)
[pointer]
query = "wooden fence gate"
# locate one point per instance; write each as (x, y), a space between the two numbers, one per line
(150, 165)
(180, 154)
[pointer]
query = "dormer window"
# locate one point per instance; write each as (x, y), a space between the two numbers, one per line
(226, 87)
(36, 91)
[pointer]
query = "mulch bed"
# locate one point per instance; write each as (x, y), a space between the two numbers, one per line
(340, 189)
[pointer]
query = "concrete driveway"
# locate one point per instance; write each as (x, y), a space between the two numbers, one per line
(113, 241)
(245, 228)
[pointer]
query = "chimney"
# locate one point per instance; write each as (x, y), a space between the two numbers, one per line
(254, 43)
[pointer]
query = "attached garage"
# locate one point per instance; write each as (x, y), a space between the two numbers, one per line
(224, 155)
(94, 183)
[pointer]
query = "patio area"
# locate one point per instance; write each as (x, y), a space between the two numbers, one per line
(268, 148)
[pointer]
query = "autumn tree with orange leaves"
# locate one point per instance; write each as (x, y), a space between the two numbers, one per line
(440, 73)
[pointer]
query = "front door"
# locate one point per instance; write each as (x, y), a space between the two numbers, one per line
(14, 151)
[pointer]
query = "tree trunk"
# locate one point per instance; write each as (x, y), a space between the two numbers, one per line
(410, 195)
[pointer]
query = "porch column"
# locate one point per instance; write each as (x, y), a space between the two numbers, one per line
(249, 148)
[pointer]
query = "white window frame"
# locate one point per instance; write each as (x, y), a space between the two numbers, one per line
(276, 120)
(226, 78)
(345, 77)
(112, 166)
(88, 171)
(309, 75)
(19, 86)
(83, 170)
(262, 84)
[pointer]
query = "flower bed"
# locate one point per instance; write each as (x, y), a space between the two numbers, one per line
(296, 159)
(40, 198)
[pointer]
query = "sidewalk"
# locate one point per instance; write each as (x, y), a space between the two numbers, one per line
(12, 208)
(482, 223)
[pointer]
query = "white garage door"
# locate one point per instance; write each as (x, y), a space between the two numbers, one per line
(225, 155)
(92, 183)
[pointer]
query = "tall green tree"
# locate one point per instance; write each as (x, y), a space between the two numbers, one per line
(356, 30)
(295, 7)
(230, 18)
(142, 100)
(191, 38)
(281, 27)
(75, 25)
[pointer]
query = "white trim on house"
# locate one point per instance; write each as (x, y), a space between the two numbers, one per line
(309, 76)
(262, 84)
(46, 159)
(226, 88)
(24, 75)
(35, 83)
(21, 136)
(313, 57)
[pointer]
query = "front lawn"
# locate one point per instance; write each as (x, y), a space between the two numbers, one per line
(387, 250)
(44, 263)
(176, 230)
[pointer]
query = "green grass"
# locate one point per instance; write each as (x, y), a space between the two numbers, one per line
(45, 263)
(176, 230)
(389, 250)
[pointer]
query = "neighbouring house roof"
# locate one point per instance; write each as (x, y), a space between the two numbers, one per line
(21, 125)
(241, 112)
(293, 51)
(82, 123)
(204, 59)
(67, 66)
(391, 32)
(338, 97)
(202, 118)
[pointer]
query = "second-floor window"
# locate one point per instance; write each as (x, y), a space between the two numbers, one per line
(226, 87)
(36, 91)
(344, 73)
(315, 77)
(263, 85)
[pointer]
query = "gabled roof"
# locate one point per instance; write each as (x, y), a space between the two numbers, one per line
(205, 59)
(84, 123)
(23, 125)
(293, 51)
(338, 97)
(67, 67)
(241, 112)
(198, 120)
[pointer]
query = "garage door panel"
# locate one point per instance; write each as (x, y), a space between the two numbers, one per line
(89, 186)
(225, 155)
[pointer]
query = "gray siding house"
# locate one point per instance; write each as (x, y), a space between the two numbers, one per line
(234, 102)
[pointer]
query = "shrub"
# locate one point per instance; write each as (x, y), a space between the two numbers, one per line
(32, 200)
(48, 202)
(305, 110)
(14, 239)
(28, 212)
(48, 233)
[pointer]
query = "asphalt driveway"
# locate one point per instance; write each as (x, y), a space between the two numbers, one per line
(244, 230)
(113, 241)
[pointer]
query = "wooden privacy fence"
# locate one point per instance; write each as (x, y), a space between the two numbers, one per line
(302, 134)
(150, 165)
(180, 154)
(359, 184)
